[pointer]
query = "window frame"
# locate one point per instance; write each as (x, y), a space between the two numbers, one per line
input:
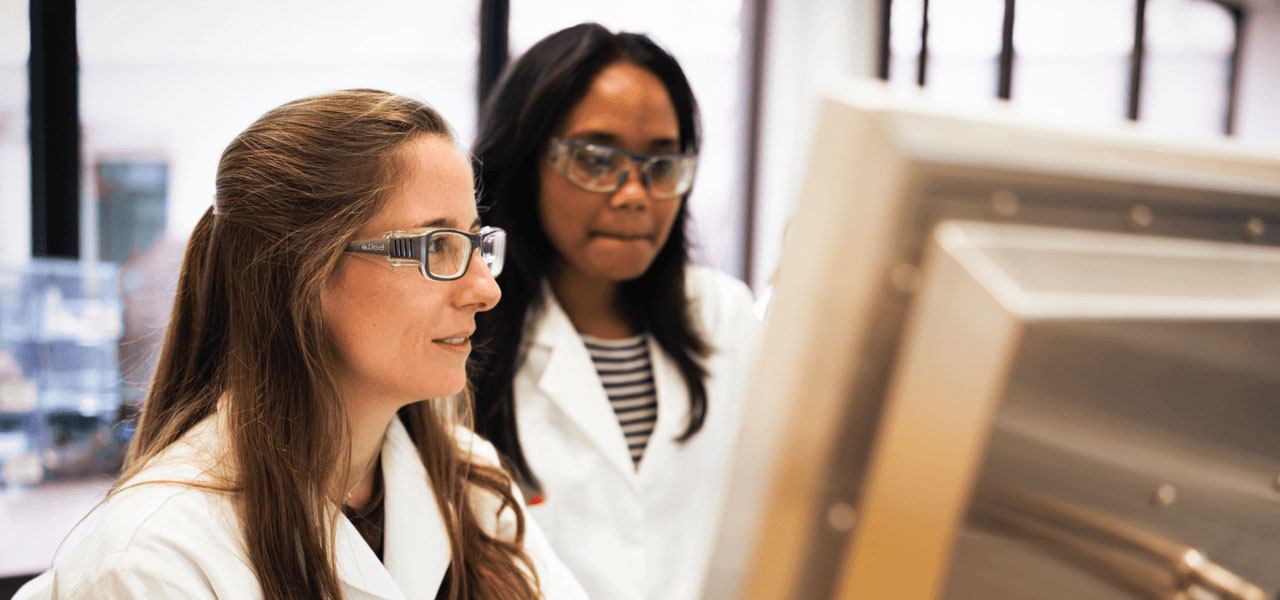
(1004, 83)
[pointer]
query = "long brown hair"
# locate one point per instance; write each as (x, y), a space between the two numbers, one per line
(247, 330)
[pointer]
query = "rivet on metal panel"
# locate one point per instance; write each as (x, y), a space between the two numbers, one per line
(1164, 496)
(1005, 204)
(1140, 216)
(905, 277)
(1254, 228)
(842, 516)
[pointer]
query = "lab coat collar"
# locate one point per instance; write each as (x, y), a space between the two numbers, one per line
(415, 543)
(565, 380)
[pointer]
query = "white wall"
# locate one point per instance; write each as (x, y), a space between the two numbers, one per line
(15, 153)
(177, 81)
(810, 43)
(1258, 108)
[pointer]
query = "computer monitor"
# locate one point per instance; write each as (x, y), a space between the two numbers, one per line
(1011, 361)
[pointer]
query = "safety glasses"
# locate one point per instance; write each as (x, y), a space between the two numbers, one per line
(601, 168)
(439, 254)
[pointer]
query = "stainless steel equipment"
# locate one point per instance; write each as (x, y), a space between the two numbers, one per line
(1008, 361)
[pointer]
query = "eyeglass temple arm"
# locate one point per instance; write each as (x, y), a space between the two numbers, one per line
(395, 248)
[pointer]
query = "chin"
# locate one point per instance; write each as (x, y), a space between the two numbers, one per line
(451, 390)
(444, 386)
(632, 276)
(625, 271)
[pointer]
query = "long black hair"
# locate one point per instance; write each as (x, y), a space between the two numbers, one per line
(527, 105)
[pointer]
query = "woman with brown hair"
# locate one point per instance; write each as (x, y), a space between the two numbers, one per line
(285, 449)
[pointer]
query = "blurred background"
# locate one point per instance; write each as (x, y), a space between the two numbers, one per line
(113, 116)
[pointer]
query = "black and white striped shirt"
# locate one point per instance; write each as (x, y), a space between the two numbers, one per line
(627, 376)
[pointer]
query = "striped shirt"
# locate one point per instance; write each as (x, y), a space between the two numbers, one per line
(627, 376)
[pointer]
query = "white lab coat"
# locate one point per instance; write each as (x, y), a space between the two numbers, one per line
(628, 534)
(177, 541)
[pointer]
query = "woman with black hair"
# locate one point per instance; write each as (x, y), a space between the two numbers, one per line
(613, 380)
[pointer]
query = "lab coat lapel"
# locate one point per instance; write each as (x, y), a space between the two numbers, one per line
(415, 542)
(571, 382)
(359, 568)
(673, 412)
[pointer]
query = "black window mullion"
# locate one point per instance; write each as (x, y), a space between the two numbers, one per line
(494, 52)
(1135, 63)
(882, 60)
(1233, 72)
(924, 44)
(759, 23)
(1004, 83)
(53, 76)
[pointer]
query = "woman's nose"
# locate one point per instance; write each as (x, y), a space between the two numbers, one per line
(631, 194)
(480, 289)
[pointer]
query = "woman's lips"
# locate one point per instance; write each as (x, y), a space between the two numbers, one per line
(461, 345)
(622, 236)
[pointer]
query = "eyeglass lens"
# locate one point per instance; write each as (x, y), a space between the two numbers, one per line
(600, 169)
(448, 253)
(493, 250)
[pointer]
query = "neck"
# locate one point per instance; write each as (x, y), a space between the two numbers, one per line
(369, 421)
(591, 303)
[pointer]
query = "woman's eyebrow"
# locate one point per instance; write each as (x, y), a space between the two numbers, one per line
(604, 137)
(665, 144)
(599, 137)
(441, 222)
(448, 223)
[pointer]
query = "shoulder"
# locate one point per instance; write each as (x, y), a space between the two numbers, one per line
(161, 530)
(710, 280)
(150, 539)
(123, 575)
(176, 491)
(722, 304)
(712, 288)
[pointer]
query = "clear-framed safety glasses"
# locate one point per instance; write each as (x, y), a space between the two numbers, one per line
(602, 168)
(439, 254)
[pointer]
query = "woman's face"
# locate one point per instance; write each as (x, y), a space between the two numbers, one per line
(613, 236)
(400, 336)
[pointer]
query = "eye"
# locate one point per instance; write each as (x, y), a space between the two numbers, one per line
(663, 168)
(595, 160)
